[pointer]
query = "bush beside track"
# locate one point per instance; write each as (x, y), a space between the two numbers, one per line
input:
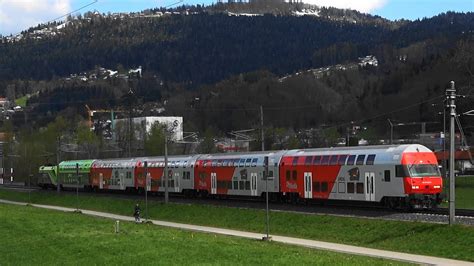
(37, 236)
(456, 242)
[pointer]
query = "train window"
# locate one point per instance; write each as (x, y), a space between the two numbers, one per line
(324, 186)
(351, 159)
(308, 160)
(247, 185)
(317, 160)
(219, 163)
(370, 159)
(243, 174)
(247, 162)
(295, 160)
(350, 187)
(242, 163)
(325, 160)
(341, 187)
(225, 162)
(316, 187)
(242, 185)
(360, 159)
(214, 163)
(401, 171)
(360, 188)
(342, 160)
(270, 175)
(236, 162)
(236, 183)
(288, 175)
(386, 176)
(254, 162)
(295, 174)
(333, 160)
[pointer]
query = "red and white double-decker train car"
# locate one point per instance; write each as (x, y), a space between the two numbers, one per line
(398, 176)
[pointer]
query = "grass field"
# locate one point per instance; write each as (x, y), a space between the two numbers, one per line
(464, 192)
(32, 236)
(455, 242)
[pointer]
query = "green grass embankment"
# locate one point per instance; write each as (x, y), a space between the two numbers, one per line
(464, 192)
(455, 242)
(35, 236)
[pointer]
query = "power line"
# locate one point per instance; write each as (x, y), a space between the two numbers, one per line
(65, 15)
(388, 113)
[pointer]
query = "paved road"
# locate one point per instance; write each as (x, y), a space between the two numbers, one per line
(412, 258)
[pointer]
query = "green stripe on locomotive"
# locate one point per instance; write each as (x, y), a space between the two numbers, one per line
(67, 172)
(48, 175)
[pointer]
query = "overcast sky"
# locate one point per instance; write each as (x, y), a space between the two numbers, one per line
(18, 15)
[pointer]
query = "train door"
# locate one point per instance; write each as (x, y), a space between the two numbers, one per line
(308, 189)
(370, 186)
(176, 182)
(253, 181)
(122, 181)
(213, 183)
(101, 181)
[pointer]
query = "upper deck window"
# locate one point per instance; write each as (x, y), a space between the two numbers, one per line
(247, 162)
(254, 162)
(325, 160)
(360, 159)
(295, 160)
(370, 159)
(351, 159)
(308, 160)
(333, 160)
(317, 160)
(342, 160)
(242, 163)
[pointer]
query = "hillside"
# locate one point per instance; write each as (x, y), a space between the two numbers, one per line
(232, 57)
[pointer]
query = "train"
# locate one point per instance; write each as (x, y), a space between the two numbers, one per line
(396, 176)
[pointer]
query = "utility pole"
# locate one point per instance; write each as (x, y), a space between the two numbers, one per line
(266, 176)
(77, 187)
(451, 98)
(130, 133)
(165, 174)
(58, 160)
(146, 190)
(261, 127)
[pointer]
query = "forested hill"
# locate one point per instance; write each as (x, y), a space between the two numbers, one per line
(216, 68)
(202, 47)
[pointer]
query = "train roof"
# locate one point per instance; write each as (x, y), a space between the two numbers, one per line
(383, 153)
(115, 163)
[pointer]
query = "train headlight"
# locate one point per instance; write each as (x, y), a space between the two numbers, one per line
(415, 187)
(436, 186)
